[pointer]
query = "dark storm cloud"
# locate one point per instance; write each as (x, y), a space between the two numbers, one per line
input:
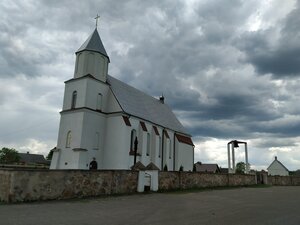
(283, 127)
(270, 142)
(198, 55)
(237, 106)
(177, 49)
(279, 56)
(218, 129)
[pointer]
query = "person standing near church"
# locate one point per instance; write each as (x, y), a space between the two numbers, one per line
(93, 164)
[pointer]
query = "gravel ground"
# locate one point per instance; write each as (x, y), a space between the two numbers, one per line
(270, 205)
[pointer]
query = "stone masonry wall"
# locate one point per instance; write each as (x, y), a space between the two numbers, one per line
(284, 180)
(31, 185)
(4, 185)
(187, 180)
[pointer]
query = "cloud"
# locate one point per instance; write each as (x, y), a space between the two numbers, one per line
(30, 109)
(229, 71)
(275, 50)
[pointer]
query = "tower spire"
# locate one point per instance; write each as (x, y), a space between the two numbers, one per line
(96, 18)
(91, 57)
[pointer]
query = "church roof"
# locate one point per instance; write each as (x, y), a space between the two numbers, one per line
(93, 43)
(32, 158)
(137, 103)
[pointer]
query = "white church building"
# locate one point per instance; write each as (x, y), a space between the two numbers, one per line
(102, 117)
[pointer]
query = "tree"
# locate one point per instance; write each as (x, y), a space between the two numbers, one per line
(240, 168)
(9, 156)
(50, 154)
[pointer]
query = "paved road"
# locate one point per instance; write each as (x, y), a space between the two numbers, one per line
(273, 205)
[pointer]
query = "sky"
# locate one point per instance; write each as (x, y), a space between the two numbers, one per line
(228, 69)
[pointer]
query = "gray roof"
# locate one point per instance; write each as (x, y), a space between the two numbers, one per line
(33, 158)
(141, 105)
(93, 43)
(202, 167)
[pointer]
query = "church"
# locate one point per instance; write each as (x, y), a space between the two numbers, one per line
(105, 120)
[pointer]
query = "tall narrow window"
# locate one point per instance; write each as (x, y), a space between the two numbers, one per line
(160, 148)
(148, 144)
(90, 64)
(77, 62)
(99, 101)
(133, 136)
(102, 65)
(74, 98)
(68, 140)
(96, 141)
(170, 149)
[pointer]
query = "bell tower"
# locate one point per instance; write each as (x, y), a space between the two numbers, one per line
(91, 58)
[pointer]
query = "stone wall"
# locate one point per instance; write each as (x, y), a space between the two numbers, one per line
(4, 185)
(188, 180)
(284, 180)
(32, 185)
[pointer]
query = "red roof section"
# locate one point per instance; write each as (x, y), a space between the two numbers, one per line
(126, 120)
(156, 130)
(166, 133)
(143, 125)
(184, 139)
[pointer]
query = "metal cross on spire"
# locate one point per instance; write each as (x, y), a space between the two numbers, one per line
(96, 18)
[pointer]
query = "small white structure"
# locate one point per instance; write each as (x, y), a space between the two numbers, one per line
(277, 168)
(231, 157)
(102, 117)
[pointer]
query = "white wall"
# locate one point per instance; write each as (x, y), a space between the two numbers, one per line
(93, 122)
(112, 105)
(93, 63)
(71, 86)
(277, 169)
(94, 88)
(117, 144)
(154, 149)
(69, 122)
(184, 156)
(87, 92)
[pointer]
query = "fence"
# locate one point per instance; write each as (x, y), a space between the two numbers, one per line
(18, 185)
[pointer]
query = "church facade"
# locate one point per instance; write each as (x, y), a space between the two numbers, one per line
(106, 120)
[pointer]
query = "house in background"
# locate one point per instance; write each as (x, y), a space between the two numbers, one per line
(223, 170)
(28, 159)
(118, 125)
(207, 167)
(277, 168)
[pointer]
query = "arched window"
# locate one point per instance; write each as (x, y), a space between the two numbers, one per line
(77, 62)
(148, 144)
(96, 141)
(90, 63)
(160, 148)
(102, 65)
(170, 149)
(99, 101)
(132, 138)
(74, 98)
(68, 140)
